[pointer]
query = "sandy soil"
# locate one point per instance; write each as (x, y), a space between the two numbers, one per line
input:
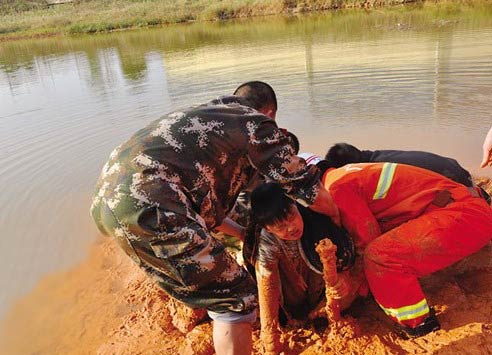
(106, 305)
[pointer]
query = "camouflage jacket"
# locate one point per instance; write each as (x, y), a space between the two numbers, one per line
(206, 155)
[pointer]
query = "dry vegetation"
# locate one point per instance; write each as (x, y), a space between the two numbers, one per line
(31, 18)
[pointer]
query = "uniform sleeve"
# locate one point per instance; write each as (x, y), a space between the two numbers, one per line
(271, 152)
(356, 216)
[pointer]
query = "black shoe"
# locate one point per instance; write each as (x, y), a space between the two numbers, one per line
(429, 325)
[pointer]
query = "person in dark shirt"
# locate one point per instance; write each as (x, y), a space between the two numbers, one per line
(342, 154)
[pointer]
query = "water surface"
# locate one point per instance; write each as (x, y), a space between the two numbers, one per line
(394, 79)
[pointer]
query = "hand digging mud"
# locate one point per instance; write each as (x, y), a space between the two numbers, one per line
(338, 326)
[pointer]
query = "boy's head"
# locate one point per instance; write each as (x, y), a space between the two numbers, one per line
(342, 154)
(276, 212)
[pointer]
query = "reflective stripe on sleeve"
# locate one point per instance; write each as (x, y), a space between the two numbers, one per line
(385, 179)
(408, 312)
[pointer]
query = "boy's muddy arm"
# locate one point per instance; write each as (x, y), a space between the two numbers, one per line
(269, 300)
(327, 253)
(336, 285)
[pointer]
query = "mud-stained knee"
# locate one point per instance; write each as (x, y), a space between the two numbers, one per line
(377, 254)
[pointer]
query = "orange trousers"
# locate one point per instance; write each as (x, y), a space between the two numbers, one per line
(438, 238)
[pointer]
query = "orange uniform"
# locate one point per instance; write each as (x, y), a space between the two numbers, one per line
(411, 222)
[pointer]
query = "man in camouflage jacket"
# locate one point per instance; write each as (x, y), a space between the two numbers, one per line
(163, 191)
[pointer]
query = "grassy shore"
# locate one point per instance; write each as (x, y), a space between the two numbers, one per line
(33, 18)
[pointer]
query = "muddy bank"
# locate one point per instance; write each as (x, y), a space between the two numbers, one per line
(106, 305)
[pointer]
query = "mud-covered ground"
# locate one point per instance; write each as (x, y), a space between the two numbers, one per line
(106, 305)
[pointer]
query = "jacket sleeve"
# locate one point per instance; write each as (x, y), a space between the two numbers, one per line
(271, 152)
(356, 216)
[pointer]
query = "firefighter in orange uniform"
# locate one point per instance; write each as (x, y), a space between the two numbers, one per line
(407, 222)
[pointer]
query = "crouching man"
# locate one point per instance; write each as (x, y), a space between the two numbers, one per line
(408, 222)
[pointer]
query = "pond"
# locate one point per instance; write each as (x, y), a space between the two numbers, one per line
(415, 78)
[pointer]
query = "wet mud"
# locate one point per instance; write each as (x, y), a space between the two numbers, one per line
(106, 305)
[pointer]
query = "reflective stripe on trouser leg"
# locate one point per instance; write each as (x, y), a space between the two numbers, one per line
(394, 261)
(408, 313)
(396, 290)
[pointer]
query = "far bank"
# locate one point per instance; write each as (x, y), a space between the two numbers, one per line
(21, 19)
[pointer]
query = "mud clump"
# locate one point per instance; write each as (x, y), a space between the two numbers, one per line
(184, 318)
(198, 341)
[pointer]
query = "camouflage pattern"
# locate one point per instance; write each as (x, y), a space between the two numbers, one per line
(163, 190)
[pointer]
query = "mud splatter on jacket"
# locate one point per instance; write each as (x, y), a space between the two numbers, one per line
(163, 190)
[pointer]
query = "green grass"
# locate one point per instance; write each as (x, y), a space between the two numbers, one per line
(23, 18)
(13, 6)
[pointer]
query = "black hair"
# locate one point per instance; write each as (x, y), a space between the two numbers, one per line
(294, 140)
(341, 154)
(269, 203)
(258, 94)
(324, 165)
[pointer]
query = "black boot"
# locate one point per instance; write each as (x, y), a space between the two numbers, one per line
(429, 324)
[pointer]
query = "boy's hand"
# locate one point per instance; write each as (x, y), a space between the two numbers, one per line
(341, 288)
(270, 338)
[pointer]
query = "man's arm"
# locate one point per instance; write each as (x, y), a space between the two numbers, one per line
(229, 227)
(271, 152)
(356, 216)
(487, 150)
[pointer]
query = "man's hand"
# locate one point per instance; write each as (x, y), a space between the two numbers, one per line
(487, 150)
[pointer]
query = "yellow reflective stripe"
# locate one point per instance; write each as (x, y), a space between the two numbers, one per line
(385, 179)
(408, 312)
